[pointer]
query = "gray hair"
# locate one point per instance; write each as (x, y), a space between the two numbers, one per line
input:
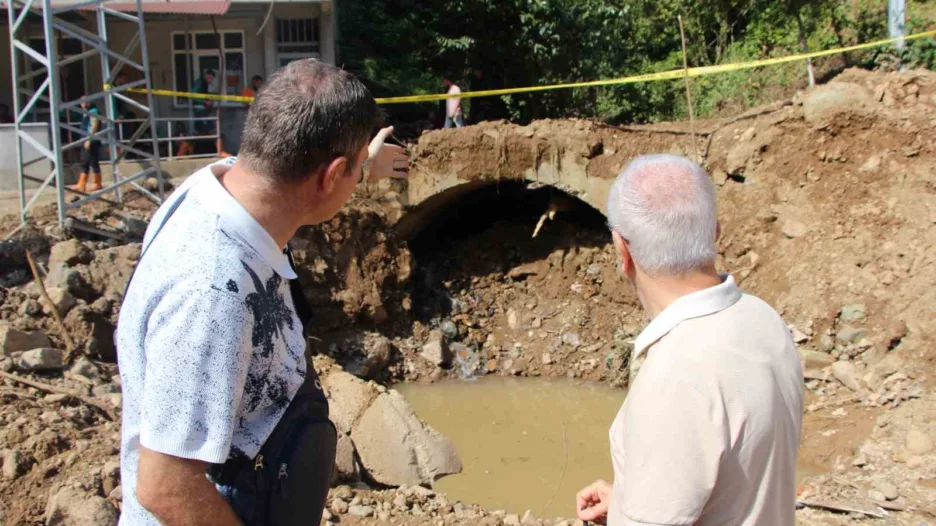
(664, 206)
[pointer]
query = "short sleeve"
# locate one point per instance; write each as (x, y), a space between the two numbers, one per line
(198, 349)
(671, 441)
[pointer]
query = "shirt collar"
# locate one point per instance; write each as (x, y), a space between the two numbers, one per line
(217, 199)
(695, 305)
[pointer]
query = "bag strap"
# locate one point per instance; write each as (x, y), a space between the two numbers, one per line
(302, 305)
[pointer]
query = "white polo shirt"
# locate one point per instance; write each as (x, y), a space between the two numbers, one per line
(709, 432)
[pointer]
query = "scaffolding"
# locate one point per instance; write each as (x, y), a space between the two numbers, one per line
(45, 68)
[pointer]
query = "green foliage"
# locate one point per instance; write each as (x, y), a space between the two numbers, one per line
(403, 47)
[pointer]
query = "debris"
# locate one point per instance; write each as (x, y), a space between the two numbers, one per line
(43, 359)
(14, 340)
(853, 313)
(51, 389)
(793, 229)
(846, 373)
(436, 351)
(918, 443)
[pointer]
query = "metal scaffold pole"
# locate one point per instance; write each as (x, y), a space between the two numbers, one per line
(39, 95)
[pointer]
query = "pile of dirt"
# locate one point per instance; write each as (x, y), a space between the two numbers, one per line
(828, 209)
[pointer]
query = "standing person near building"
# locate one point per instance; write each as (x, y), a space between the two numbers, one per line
(710, 429)
(90, 150)
(453, 106)
(212, 350)
(255, 84)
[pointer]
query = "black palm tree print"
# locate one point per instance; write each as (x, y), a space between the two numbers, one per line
(271, 316)
(270, 312)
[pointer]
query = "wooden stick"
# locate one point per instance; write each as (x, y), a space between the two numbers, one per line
(109, 412)
(14, 231)
(69, 346)
(695, 142)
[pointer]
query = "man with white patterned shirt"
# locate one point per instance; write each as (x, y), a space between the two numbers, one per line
(211, 349)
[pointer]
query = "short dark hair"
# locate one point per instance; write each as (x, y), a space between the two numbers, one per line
(256, 77)
(209, 72)
(308, 114)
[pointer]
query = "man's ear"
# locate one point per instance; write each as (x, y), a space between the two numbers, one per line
(623, 251)
(332, 174)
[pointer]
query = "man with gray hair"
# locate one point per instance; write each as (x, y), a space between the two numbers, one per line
(710, 428)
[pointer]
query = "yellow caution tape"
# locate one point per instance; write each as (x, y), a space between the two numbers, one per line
(647, 77)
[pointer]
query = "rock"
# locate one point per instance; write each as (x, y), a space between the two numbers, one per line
(876, 495)
(512, 520)
(572, 340)
(513, 319)
(327, 515)
(339, 507)
(30, 307)
(436, 351)
(528, 519)
(918, 443)
(346, 467)
(62, 299)
(547, 358)
(42, 359)
(849, 334)
(888, 365)
(914, 461)
(748, 134)
(383, 516)
(6, 364)
(793, 229)
(110, 476)
(361, 511)
(815, 359)
(14, 464)
(872, 164)
(133, 226)
(348, 397)
(69, 507)
(449, 329)
(395, 447)
(853, 313)
(828, 103)
(14, 340)
(846, 373)
(798, 336)
(116, 494)
(378, 354)
(85, 367)
(69, 253)
(888, 490)
(399, 502)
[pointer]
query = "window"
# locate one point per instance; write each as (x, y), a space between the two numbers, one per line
(296, 38)
(188, 64)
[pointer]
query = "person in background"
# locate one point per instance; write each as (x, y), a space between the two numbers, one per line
(203, 107)
(709, 432)
(122, 113)
(453, 106)
(91, 150)
(5, 117)
(255, 84)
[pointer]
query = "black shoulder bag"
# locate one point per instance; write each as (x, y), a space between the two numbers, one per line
(287, 482)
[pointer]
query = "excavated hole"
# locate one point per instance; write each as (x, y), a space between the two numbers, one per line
(487, 232)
